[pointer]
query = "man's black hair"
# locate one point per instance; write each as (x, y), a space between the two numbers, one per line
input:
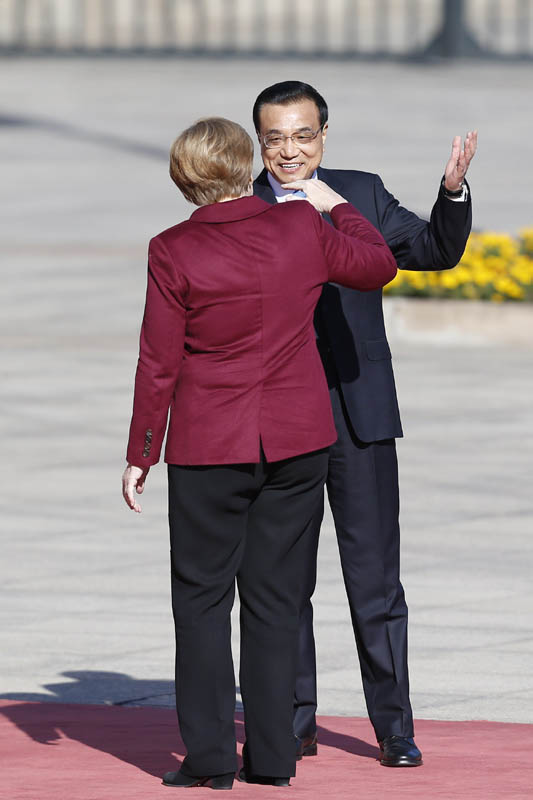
(290, 92)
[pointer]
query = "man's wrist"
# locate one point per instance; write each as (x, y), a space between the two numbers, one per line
(453, 194)
(459, 196)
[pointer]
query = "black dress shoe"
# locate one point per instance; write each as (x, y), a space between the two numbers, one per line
(306, 746)
(186, 782)
(399, 751)
(264, 780)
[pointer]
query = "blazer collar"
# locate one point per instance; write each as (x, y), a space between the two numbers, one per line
(231, 211)
(328, 176)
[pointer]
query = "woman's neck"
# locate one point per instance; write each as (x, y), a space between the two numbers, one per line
(247, 193)
(235, 197)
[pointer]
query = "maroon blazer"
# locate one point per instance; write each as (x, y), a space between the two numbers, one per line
(227, 340)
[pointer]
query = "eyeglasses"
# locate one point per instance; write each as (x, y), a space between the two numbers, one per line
(273, 141)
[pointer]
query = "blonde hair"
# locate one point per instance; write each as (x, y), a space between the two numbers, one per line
(212, 160)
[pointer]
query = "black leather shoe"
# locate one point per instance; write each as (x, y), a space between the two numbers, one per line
(306, 746)
(399, 751)
(264, 780)
(186, 782)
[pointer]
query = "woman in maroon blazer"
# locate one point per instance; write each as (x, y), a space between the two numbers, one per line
(227, 343)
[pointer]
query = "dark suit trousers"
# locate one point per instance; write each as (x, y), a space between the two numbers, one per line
(363, 494)
(248, 522)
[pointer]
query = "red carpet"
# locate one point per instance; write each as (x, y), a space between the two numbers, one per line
(73, 752)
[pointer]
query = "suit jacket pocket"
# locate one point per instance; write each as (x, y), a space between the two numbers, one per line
(377, 350)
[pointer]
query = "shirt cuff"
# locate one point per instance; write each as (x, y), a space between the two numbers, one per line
(462, 198)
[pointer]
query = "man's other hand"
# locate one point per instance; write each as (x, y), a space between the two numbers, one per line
(460, 159)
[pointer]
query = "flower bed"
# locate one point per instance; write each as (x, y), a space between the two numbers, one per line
(495, 266)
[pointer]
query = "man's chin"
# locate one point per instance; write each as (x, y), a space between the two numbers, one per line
(289, 177)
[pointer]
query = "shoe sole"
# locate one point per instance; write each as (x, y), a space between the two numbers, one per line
(258, 783)
(205, 782)
(401, 763)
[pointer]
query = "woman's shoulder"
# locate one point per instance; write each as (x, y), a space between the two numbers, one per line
(174, 232)
(166, 247)
(168, 237)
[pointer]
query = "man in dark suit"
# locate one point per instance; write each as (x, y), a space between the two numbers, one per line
(291, 120)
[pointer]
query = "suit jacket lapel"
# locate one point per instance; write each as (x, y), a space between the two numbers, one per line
(328, 176)
(263, 189)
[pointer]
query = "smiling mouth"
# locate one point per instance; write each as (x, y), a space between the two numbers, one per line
(292, 167)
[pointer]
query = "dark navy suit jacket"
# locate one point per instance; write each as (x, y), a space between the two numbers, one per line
(349, 323)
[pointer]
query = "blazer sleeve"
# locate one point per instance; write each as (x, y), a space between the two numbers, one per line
(356, 253)
(418, 244)
(160, 356)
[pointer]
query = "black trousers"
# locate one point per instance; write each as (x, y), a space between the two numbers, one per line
(248, 522)
(363, 494)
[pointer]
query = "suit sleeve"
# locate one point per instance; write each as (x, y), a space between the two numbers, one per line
(356, 253)
(160, 356)
(418, 244)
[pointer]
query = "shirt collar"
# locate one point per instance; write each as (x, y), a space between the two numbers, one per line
(277, 188)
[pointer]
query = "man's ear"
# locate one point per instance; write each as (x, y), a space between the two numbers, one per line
(325, 131)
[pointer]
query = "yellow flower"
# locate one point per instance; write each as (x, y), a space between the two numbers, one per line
(482, 277)
(450, 280)
(462, 273)
(508, 287)
(417, 279)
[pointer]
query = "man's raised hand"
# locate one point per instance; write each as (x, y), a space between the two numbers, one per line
(459, 161)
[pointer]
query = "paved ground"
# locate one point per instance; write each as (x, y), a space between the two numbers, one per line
(85, 603)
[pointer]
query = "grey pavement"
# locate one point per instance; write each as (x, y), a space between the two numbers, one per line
(85, 586)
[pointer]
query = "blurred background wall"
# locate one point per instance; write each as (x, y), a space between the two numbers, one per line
(335, 27)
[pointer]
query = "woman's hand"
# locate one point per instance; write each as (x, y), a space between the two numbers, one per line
(133, 479)
(319, 194)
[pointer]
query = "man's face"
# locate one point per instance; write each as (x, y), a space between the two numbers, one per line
(293, 161)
